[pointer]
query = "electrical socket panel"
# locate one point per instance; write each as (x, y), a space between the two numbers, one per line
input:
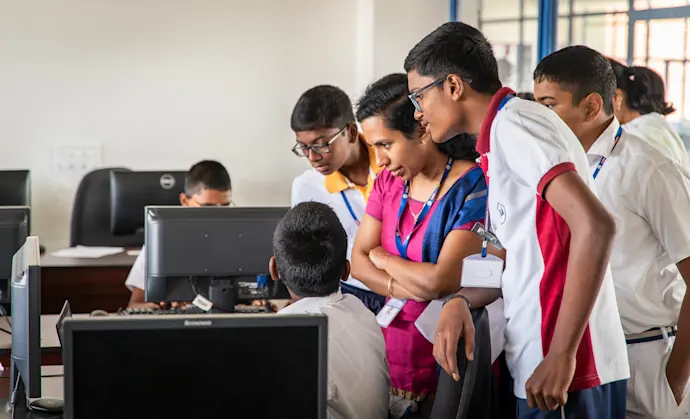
(77, 159)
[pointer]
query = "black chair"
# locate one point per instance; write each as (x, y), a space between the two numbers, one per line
(473, 396)
(90, 224)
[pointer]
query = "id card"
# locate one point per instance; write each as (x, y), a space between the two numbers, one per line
(482, 272)
(485, 234)
(390, 311)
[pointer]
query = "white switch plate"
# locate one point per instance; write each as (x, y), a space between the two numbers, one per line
(76, 159)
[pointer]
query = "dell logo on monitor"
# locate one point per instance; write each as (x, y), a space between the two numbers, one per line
(167, 181)
(197, 323)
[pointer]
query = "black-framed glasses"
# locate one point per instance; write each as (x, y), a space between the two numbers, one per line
(414, 96)
(302, 150)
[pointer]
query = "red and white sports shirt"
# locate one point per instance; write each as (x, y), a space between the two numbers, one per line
(523, 148)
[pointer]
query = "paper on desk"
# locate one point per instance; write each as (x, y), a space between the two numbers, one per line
(87, 252)
(134, 252)
(426, 324)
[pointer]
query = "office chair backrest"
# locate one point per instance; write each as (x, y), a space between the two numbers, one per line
(90, 224)
(473, 395)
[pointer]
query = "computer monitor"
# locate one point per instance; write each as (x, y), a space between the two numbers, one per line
(14, 229)
(15, 188)
(131, 192)
(25, 378)
(202, 366)
(211, 251)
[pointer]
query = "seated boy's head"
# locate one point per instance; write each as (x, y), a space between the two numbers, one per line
(310, 251)
(324, 123)
(207, 184)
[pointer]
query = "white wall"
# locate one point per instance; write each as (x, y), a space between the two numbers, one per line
(400, 24)
(160, 84)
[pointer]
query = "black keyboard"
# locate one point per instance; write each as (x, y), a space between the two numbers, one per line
(185, 311)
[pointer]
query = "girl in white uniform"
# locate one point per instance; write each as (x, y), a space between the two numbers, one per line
(640, 106)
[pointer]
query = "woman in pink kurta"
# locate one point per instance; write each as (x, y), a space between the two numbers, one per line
(416, 232)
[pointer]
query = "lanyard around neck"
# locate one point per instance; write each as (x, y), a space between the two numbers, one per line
(349, 207)
(619, 134)
(372, 176)
(403, 245)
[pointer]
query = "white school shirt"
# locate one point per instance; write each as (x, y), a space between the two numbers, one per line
(649, 195)
(529, 146)
(654, 129)
(310, 186)
(137, 275)
(358, 379)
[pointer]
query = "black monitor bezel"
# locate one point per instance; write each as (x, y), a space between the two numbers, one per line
(153, 323)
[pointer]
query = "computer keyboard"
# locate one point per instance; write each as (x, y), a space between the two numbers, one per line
(186, 311)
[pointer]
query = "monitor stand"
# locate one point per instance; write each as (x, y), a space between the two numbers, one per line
(223, 294)
(18, 400)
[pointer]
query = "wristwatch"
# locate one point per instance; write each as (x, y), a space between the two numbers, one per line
(457, 295)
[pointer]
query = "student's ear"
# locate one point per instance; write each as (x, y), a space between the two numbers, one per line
(456, 86)
(273, 269)
(346, 271)
(423, 134)
(618, 98)
(184, 200)
(595, 105)
(353, 133)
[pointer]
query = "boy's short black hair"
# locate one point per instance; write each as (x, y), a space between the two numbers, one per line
(526, 96)
(456, 48)
(644, 88)
(581, 71)
(322, 107)
(310, 250)
(207, 174)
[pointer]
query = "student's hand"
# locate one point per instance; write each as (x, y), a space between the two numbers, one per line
(262, 303)
(175, 304)
(455, 322)
(377, 256)
(547, 388)
(152, 306)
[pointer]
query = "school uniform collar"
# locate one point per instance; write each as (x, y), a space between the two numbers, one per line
(603, 145)
(484, 139)
(312, 305)
(338, 182)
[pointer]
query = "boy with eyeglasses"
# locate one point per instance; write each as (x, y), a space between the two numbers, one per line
(565, 346)
(343, 167)
(207, 184)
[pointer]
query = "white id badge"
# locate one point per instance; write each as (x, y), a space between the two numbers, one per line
(390, 311)
(482, 272)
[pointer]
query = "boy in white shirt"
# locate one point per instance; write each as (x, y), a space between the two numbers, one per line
(648, 191)
(343, 167)
(310, 257)
(207, 184)
(565, 346)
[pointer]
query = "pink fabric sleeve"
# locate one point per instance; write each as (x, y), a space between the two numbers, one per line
(377, 196)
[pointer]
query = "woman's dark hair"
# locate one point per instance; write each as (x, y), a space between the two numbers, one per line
(644, 89)
(388, 99)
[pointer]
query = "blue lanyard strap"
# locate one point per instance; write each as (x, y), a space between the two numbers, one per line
(400, 244)
(619, 133)
(349, 207)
